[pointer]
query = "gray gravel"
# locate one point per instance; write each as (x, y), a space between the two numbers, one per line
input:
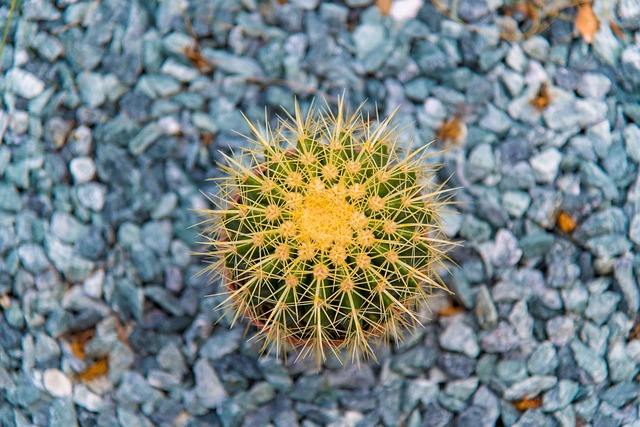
(108, 132)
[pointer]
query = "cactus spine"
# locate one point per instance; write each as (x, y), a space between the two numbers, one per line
(325, 237)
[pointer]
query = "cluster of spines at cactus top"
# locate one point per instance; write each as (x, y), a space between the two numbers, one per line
(324, 236)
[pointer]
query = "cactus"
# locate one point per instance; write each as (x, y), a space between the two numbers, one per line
(325, 237)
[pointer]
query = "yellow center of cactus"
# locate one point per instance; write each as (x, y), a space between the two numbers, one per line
(324, 219)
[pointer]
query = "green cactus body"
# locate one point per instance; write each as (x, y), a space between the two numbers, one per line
(328, 239)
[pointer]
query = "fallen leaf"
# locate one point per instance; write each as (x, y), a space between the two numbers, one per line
(78, 340)
(587, 22)
(543, 99)
(617, 30)
(565, 222)
(451, 310)
(98, 369)
(524, 404)
(193, 54)
(384, 6)
(207, 139)
(635, 331)
(453, 130)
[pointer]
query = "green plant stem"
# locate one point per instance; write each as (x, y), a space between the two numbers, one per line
(6, 28)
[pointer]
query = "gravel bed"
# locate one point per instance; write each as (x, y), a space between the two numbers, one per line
(114, 113)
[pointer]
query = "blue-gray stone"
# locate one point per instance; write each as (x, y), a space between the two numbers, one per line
(209, 390)
(156, 86)
(91, 245)
(66, 227)
(23, 83)
(536, 47)
(593, 175)
(545, 165)
(460, 338)
(82, 169)
(537, 244)
(600, 138)
(623, 273)
(171, 359)
(472, 10)
(454, 364)
(601, 306)
(500, 340)
(275, 374)
(496, 120)
(33, 258)
(92, 195)
(506, 252)
(544, 207)
(438, 416)
(631, 135)
(589, 361)
(481, 162)
(164, 300)
(221, 344)
(561, 329)
(530, 387)
(474, 229)
(157, 236)
(593, 85)
(485, 309)
(622, 367)
(134, 388)
(620, 394)
(129, 234)
(587, 408)
(543, 360)
(560, 396)
(602, 223)
(147, 136)
(47, 349)
(146, 262)
(9, 198)
(127, 298)
(233, 64)
(609, 246)
(630, 64)
(418, 89)
(62, 413)
(511, 370)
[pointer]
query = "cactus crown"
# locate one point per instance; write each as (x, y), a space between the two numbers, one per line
(325, 236)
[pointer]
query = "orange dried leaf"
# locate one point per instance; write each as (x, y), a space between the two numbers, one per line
(453, 130)
(524, 404)
(193, 54)
(617, 30)
(98, 369)
(587, 22)
(451, 310)
(78, 341)
(384, 6)
(565, 222)
(543, 99)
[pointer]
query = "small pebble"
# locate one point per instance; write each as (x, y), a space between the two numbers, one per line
(57, 383)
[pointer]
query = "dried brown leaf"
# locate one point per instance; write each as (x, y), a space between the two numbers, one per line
(524, 404)
(587, 22)
(384, 6)
(451, 309)
(543, 99)
(78, 340)
(565, 222)
(98, 369)
(453, 130)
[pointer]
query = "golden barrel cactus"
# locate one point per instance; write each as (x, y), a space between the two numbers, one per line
(326, 237)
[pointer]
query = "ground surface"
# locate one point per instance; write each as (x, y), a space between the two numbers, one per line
(112, 118)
